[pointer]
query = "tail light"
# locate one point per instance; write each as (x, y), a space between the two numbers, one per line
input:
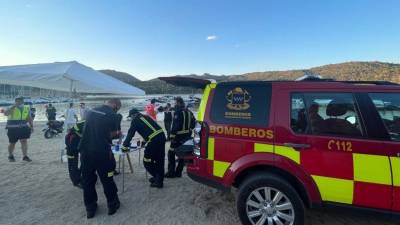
(200, 140)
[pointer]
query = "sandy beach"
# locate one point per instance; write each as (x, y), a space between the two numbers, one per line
(40, 192)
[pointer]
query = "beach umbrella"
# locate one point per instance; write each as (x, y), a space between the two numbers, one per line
(65, 76)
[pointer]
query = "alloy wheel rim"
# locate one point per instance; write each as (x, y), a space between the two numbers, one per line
(269, 206)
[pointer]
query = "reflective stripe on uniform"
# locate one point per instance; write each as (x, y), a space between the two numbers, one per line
(220, 168)
(17, 126)
(147, 123)
(334, 189)
(155, 132)
(372, 169)
(204, 100)
(146, 159)
(186, 123)
(183, 132)
(395, 162)
(98, 112)
(110, 174)
(151, 136)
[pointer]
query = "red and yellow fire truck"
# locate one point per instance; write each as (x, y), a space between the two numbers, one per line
(288, 145)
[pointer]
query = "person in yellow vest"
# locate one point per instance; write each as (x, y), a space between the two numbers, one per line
(19, 127)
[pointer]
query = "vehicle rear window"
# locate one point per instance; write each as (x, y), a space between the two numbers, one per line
(388, 106)
(242, 103)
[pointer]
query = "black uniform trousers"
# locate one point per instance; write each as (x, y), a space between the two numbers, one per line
(167, 125)
(73, 167)
(73, 158)
(172, 161)
(104, 165)
(154, 158)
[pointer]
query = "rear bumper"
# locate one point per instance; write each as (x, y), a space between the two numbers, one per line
(208, 182)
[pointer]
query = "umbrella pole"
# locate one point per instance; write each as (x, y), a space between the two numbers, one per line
(70, 88)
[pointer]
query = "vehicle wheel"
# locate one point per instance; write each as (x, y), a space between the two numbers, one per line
(48, 134)
(268, 199)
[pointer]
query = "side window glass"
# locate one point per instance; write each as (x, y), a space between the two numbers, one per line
(333, 114)
(388, 106)
(298, 114)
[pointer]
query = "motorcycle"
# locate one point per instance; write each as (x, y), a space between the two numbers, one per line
(53, 128)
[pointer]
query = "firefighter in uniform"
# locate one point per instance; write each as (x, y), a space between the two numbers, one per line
(182, 126)
(72, 140)
(19, 127)
(154, 153)
(100, 128)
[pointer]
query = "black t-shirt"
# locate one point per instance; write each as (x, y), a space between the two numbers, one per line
(96, 137)
(51, 113)
(167, 116)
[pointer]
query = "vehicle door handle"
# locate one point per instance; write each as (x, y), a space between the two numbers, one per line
(297, 146)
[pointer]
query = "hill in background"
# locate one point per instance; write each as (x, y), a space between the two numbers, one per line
(341, 71)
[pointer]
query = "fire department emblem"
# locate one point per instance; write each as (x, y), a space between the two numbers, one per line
(238, 99)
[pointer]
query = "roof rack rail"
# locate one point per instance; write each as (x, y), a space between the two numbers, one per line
(318, 78)
(376, 82)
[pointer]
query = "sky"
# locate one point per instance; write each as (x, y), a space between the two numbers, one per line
(149, 38)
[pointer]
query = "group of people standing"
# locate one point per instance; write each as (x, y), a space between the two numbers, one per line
(95, 136)
(70, 115)
(90, 139)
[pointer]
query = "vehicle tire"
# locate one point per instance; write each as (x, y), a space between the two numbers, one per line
(266, 198)
(48, 134)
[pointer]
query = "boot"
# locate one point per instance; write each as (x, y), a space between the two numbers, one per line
(157, 185)
(113, 206)
(11, 158)
(91, 211)
(179, 168)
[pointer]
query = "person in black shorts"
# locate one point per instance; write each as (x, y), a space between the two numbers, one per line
(19, 127)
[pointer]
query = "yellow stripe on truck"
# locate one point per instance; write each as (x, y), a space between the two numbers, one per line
(372, 169)
(220, 168)
(204, 100)
(288, 152)
(395, 162)
(335, 190)
(211, 143)
(263, 148)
